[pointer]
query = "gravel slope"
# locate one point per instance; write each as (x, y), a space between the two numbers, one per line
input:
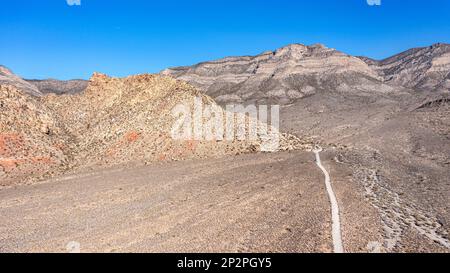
(249, 203)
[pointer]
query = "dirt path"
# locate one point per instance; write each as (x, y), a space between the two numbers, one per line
(336, 221)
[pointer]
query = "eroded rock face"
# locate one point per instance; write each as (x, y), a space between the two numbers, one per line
(282, 76)
(426, 68)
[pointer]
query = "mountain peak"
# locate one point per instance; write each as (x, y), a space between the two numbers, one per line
(439, 45)
(98, 76)
(291, 51)
(318, 45)
(295, 46)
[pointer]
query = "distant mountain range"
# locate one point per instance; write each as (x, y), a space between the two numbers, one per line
(295, 71)
(59, 87)
(41, 87)
(290, 73)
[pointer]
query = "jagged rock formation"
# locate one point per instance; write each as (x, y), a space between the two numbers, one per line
(282, 76)
(7, 77)
(426, 68)
(59, 87)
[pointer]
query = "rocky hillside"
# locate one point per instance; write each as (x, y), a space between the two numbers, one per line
(113, 121)
(282, 76)
(32, 140)
(59, 87)
(7, 77)
(426, 68)
(121, 120)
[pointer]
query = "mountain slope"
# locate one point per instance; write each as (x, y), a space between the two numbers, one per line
(7, 77)
(121, 120)
(59, 87)
(113, 121)
(282, 76)
(32, 140)
(426, 68)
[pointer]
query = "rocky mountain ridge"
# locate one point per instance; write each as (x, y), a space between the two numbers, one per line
(293, 72)
(426, 68)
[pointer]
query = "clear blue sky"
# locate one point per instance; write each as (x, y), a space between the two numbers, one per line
(48, 38)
